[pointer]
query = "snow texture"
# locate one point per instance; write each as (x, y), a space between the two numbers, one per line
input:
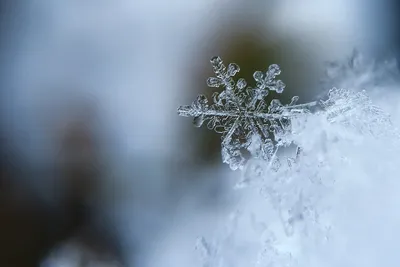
(333, 205)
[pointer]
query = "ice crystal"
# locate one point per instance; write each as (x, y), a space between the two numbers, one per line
(334, 141)
(242, 114)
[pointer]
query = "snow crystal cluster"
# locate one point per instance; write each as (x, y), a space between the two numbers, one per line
(247, 121)
(292, 214)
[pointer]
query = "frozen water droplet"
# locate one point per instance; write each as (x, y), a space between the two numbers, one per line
(200, 103)
(215, 60)
(273, 71)
(233, 69)
(241, 84)
(217, 64)
(229, 83)
(202, 100)
(258, 76)
(279, 87)
(214, 82)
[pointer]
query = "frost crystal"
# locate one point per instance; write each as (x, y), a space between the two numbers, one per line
(242, 114)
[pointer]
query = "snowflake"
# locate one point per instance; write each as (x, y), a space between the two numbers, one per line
(242, 114)
(329, 134)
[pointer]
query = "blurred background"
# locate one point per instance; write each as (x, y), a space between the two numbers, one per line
(96, 165)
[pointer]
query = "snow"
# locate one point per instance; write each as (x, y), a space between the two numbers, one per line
(120, 53)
